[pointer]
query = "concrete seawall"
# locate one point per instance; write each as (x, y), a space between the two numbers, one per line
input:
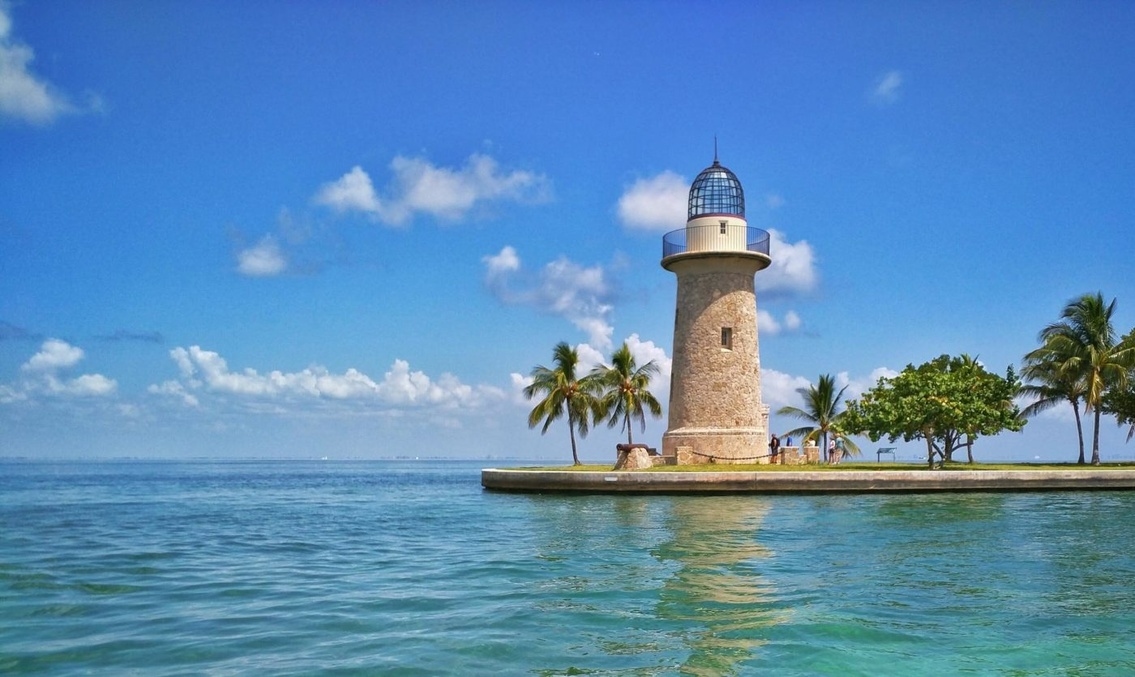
(851, 481)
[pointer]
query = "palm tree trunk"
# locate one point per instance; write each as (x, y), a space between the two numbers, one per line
(1079, 431)
(628, 420)
(571, 431)
(1096, 439)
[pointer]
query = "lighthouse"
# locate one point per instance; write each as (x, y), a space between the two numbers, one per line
(716, 414)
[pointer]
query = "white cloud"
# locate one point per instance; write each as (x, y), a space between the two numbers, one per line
(24, 96)
(264, 259)
(517, 381)
(779, 389)
(657, 203)
(54, 354)
(205, 370)
(10, 394)
(351, 192)
(886, 89)
(420, 187)
(41, 375)
(87, 384)
(793, 268)
(505, 262)
(581, 295)
(768, 325)
(589, 358)
(175, 389)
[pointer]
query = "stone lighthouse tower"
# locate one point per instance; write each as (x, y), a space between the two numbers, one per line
(716, 414)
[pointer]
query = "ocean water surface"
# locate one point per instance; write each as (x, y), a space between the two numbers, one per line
(409, 568)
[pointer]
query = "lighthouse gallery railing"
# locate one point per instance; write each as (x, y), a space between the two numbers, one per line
(715, 238)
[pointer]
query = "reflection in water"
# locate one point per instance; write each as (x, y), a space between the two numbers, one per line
(718, 593)
(650, 584)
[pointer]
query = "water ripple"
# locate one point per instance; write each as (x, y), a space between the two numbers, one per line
(409, 568)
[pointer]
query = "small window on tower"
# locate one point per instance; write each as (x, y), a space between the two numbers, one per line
(723, 224)
(727, 338)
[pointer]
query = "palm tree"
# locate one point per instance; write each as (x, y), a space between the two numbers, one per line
(623, 385)
(820, 404)
(1086, 338)
(564, 393)
(1053, 382)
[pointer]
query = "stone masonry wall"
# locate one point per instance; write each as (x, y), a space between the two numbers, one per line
(715, 392)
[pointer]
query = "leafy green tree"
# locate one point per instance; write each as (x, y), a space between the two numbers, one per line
(564, 395)
(1086, 343)
(1121, 404)
(821, 409)
(947, 402)
(624, 394)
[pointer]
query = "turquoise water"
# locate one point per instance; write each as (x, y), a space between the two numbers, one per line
(408, 568)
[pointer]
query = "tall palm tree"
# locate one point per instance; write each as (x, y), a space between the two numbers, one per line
(564, 394)
(1086, 336)
(1052, 382)
(821, 402)
(623, 387)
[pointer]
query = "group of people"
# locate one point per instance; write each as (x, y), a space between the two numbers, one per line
(835, 448)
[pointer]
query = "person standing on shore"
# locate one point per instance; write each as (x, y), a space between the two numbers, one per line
(774, 447)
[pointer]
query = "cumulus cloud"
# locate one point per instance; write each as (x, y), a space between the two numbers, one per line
(54, 354)
(768, 325)
(264, 259)
(793, 269)
(23, 95)
(518, 383)
(657, 203)
(400, 387)
(419, 187)
(177, 390)
(499, 265)
(87, 384)
(351, 192)
(779, 389)
(41, 375)
(886, 89)
(580, 294)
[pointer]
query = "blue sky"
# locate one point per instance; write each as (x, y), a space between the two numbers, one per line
(352, 229)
